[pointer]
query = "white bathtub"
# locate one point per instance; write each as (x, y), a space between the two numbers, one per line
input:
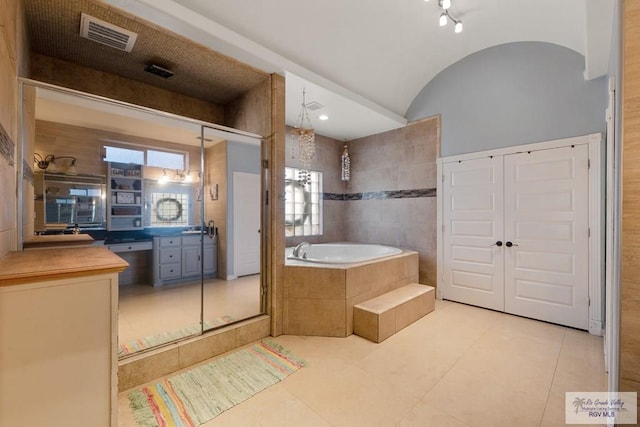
(342, 253)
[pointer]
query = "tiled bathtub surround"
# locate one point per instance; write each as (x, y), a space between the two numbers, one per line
(319, 299)
(390, 199)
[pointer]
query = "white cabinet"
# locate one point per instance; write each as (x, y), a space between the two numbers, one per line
(59, 338)
(177, 258)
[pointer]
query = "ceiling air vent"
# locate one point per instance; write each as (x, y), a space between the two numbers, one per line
(313, 106)
(105, 33)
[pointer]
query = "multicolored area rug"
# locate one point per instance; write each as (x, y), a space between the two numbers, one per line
(166, 337)
(195, 396)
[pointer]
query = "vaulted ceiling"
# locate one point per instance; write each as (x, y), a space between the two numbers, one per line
(364, 61)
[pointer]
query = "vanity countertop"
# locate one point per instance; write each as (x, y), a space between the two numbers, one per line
(58, 241)
(32, 266)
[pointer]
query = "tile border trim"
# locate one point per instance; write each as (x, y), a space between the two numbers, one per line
(7, 147)
(27, 172)
(381, 195)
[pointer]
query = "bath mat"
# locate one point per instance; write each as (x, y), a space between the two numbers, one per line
(193, 397)
(165, 337)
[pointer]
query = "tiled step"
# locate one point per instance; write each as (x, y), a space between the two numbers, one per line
(380, 317)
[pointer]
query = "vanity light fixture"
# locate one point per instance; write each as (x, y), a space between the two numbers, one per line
(184, 176)
(164, 178)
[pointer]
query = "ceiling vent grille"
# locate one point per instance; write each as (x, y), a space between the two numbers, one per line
(107, 34)
(313, 106)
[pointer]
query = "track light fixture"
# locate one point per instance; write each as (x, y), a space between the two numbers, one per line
(445, 16)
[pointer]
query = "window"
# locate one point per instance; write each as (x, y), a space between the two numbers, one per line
(303, 204)
(123, 155)
(166, 160)
(170, 205)
(148, 157)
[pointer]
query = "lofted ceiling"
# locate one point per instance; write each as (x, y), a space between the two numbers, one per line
(364, 61)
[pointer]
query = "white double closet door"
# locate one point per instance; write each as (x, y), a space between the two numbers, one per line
(516, 234)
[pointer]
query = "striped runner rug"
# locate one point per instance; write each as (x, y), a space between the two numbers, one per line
(193, 397)
(169, 336)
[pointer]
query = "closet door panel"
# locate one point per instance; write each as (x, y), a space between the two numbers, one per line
(472, 212)
(546, 219)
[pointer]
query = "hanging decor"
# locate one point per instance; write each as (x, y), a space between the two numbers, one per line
(346, 164)
(306, 142)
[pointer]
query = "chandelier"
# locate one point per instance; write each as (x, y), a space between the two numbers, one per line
(306, 142)
(346, 165)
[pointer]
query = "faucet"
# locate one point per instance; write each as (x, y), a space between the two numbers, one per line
(296, 250)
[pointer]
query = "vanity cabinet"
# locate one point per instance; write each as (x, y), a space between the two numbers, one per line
(125, 196)
(177, 258)
(59, 363)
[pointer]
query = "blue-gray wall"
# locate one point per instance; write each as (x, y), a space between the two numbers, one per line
(512, 94)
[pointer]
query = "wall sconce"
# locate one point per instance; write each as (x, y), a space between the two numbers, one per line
(50, 159)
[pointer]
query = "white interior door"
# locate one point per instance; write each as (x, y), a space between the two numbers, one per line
(472, 235)
(246, 223)
(546, 220)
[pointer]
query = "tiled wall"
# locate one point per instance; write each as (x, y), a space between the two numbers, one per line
(383, 168)
(215, 164)
(11, 63)
(391, 196)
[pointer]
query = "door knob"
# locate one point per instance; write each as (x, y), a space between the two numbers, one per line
(509, 244)
(498, 243)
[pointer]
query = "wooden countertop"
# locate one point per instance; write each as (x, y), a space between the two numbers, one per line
(33, 266)
(58, 241)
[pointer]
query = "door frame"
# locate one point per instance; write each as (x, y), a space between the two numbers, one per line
(596, 226)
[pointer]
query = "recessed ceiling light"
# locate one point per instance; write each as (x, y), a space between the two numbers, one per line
(323, 117)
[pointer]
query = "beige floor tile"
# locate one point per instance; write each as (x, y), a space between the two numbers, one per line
(274, 406)
(523, 364)
(355, 398)
(554, 412)
(351, 349)
(482, 399)
(515, 325)
(458, 366)
(425, 415)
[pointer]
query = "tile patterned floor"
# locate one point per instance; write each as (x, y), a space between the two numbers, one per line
(458, 366)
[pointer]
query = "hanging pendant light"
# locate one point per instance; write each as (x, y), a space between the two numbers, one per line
(305, 135)
(346, 165)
